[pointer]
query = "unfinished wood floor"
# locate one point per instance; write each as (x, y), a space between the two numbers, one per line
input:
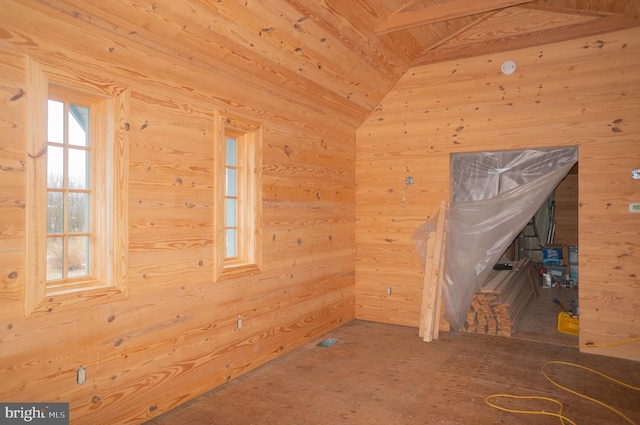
(384, 374)
(539, 322)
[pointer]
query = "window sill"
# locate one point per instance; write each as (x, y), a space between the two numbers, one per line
(238, 270)
(92, 295)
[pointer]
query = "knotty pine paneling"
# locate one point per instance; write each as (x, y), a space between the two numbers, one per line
(12, 176)
(175, 335)
(629, 8)
(584, 92)
(272, 42)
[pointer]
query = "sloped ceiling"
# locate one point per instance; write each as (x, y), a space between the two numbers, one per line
(346, 52)
(530, 24)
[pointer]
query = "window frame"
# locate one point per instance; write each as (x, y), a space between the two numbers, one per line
(109, 274)
(248, 136)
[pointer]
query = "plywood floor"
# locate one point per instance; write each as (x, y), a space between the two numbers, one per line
(384, 374)
(539, 322)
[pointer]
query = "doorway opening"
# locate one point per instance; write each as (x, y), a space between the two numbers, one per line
(496, 199)
(558, 230)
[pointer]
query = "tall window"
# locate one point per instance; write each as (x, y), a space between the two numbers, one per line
(70, 190)
(238, 197)
(77, 175)
(232, 200)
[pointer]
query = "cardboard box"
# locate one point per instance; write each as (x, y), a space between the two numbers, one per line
(552, 255)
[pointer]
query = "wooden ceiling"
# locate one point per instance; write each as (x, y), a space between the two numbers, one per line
(342, 51)
(482, 27)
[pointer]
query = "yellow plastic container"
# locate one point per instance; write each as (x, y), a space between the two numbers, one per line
(567, 323)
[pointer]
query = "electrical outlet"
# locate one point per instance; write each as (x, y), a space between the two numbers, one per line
(81, 375)
(239, 322)
(408, 181)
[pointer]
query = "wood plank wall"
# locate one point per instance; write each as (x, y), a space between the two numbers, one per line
(584, 92)
(566, 201)
(175, 335)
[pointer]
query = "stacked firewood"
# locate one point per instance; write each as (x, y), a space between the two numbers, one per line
(500, 302)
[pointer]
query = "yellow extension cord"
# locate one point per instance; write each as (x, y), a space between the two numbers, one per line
(559, 414)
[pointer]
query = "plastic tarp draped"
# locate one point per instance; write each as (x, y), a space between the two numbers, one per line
(494, 195)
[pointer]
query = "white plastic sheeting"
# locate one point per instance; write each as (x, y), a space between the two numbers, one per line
(494, 195)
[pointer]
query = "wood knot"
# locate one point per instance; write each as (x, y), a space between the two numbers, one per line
(17, 96)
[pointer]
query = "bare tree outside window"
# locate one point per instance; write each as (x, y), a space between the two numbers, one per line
(68, 190)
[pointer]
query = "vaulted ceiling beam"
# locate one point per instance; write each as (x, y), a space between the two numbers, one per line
(404, 19)
(520, 41)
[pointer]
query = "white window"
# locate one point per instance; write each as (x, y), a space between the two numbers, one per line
(70, 252)
(76, 196)
(238, 197)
